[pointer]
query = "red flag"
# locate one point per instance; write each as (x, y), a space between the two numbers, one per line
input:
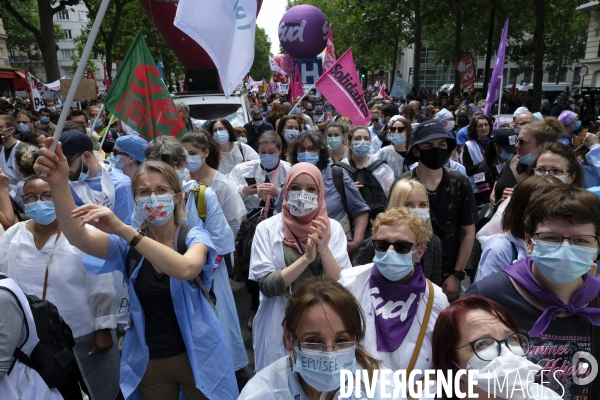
(382, 92)
(329, 53)
(341, 86)
(466, 69)
(90, 75)
(513, 89)
(297, 90)
(106, 80)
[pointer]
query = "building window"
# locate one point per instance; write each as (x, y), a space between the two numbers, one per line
(82, 15)
(527, 77)
(62, 15)
(576, 77)
(68, 35)
(66, 54)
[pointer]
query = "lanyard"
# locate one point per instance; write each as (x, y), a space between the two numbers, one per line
(312, 270)
(268, 201)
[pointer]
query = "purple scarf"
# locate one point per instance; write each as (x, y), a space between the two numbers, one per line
(393, 323)
(520, 272)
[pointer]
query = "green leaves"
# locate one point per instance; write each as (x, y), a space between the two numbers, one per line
(262, 50)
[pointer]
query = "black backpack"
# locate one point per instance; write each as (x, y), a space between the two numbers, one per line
(53, 355)
(134, 257)
(371, 192)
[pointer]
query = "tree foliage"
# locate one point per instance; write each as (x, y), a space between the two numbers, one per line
(40, 25)
(262, 50)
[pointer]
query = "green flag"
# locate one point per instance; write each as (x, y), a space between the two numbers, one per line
(139, 97)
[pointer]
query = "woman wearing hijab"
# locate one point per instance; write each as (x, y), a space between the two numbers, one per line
(289, 248)
(399, 303)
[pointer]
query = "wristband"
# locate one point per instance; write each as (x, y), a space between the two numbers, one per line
(136, 239)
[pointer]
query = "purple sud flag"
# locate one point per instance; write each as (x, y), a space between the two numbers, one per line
(494, 89)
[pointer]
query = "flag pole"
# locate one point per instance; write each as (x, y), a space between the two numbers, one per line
(500, 94)
(110, 122)
(78, 74)
(96, 119)
(301, 97)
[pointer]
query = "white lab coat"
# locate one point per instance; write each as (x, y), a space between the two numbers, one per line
(252, 169)
(228, 160)
(24, 383)
(267, 257)
(10, 167)
(356, 280)
(383, 173)
(230, 201)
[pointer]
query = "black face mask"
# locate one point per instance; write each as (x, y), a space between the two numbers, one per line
(433, 158)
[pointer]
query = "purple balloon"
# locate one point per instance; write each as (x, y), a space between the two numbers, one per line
(303, 31)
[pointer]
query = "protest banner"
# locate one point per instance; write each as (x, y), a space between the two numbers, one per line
(466, 70)
(400, 88)
(85, 91)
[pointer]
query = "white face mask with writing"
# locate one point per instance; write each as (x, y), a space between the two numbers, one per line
(301, 202)
(507, 376)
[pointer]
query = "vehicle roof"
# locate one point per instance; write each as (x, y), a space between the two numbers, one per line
(209, 98)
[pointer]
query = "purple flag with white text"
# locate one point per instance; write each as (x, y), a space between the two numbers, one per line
(494, 89)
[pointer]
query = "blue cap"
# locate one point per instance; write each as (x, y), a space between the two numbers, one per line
(75, 143)
(134, 146)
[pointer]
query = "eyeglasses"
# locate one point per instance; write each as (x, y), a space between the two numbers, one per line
(32, 198)
(401, 246)
(119, 153)
(399, 129)
(577, 240)
(323, 347)
(517, 343)
(295, 187)
(522, 142)
(161, 190)
(310, 149)
(551, 171)
(374, 120)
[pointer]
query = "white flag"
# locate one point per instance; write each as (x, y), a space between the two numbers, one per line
(275, 67)
(227, 34)
(250, 82)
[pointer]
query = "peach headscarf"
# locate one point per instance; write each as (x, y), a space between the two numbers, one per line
(299, 227)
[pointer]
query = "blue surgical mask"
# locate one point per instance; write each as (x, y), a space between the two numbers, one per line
(242, 139)
(114, 161)
(381, 122)
(505, 155)
(221, 136)
(194, 163)
(45, 119)
(321, 370)
(297, 110)
(319, 108)
(98, 124)
(257, 122)
(361, 148)
(577, 126)
(309, 157)
(269, 161)
(83, 175)
(23, 127)
(335, 142)
(526, 159)
(157, 210)
(564, 263)
(393, 266)
(181, 174)
(290, 135)
(42, 212)
(398, 138)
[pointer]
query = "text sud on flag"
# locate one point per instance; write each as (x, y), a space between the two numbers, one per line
(341, 86)
(139, 98)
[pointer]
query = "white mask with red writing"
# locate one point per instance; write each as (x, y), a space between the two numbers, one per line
(156, 209)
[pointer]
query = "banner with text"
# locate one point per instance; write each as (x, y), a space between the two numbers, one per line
(341, 86)
(466, 69)
(400, 88)
(40, 91)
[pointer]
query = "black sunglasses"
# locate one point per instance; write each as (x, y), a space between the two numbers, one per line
(399, 129)
(401, 247)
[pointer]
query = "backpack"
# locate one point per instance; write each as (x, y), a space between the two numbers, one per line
(53, 355)
(371, 192)
(134, 257)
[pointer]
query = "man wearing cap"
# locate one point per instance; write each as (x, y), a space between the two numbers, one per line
(451, 200)
(92, 182)
(128, 154)
(446, 118)
(504, 141)
(462, 136)
(256, 127)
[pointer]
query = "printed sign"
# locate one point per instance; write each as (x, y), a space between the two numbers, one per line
(85, 91)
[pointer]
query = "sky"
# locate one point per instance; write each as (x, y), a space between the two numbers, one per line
(268, 19)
